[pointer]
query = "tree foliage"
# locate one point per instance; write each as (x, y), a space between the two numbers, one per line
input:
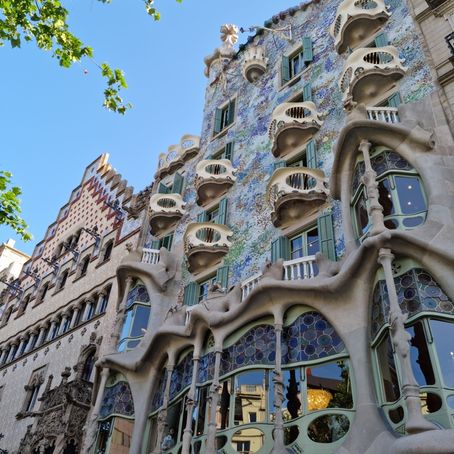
(45, 22)
(10, 209)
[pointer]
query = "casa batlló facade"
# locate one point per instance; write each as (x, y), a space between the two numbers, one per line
(295, 286)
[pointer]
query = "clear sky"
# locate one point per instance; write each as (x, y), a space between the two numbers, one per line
(52, 120)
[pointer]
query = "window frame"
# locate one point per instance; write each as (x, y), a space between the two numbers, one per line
(225, 123)
(305, 245)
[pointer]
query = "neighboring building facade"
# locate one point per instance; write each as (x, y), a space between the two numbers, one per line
(11, 262)
(57, 320)
(295, 292)
(436, 21)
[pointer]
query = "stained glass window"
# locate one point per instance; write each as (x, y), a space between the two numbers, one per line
(181, 376)
(117, 399)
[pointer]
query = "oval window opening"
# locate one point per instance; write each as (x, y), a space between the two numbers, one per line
(396, 415)
(328, 428)
(451, 401)
(430, 403)
(221, 442)
(290, 434)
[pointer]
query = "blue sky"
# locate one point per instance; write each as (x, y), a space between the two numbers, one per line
(52, 120)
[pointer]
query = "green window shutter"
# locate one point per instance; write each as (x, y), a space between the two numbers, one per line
(156, 244)
(177, 186)
(279, 164)
(222, 276)
(280, 249)
(228, 152)
(191, 294)
(218, 121)
(202, 217)
(307, 92)
(381, 40)
(395, 100)
(311, 155)
(285, 69)
(163, 189)
(222, 216)
(167, 241)
(308, 54)
(231, 112)
(326, 235)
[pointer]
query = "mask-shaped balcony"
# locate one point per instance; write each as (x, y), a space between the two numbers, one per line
(214, 178)
(295, 192)
(255, 63)
(292, 126)
(356, 20)
(370, 73)
(190, 146)
(205, 245)
(165, 211)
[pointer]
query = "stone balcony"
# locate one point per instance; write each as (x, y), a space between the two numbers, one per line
(151, 256)
(165, 211)
(386, 114)
(214, 177)
(292, 126)
(255, 63)
(295, 192)
(205, 245)
(357, 20)
(177, 155)
(369, 74)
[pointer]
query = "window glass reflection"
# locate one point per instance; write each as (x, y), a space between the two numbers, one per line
(362, 218)
(390, 384)
(385, 198)
(444, 343)
(223, 410)
(410, 194)
(328, 428)
(419, 355)
(250, 397)
(201, 410)
(248, 441)
(329, 386)
(141, 316)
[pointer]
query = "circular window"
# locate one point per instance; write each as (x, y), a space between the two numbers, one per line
(328, 428)
(396, 415)
(290, 434)
(430, 402)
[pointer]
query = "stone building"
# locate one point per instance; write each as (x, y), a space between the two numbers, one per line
(295, 287)
(11, 262)
(60, 311)
(435, 20)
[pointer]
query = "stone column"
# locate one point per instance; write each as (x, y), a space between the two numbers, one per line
(11, 351)
(278, 380)
(400, 337)
(121, 313)
(41, 339)
(33, 335)
(3, 355)
(53, 322)
(190, 403)
(62, 324)
(162, 415)
(375, 210)
(91, 426)
(213, 401)
(23, 341)
(74, 317)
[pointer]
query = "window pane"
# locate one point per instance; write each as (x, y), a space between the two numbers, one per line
(384, 197)
(362, 218)
(410, 195)
(313, 245)
(222, 413)
(250, 396)
(140, 321)
(390, 384)
(296, 247)
(419, 354)
(201, 410)
(329, 386)
(291, 405)
(126, 325)
(444, 343)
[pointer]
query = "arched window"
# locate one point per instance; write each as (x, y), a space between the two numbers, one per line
(401, 193)
(430, 325)
(63, 279)
(138, 310)
(104, 300)
(44, 290)
(23, 305)
(317, 396)
(91, 310)
(88, 366)
(116, 416)
(107, 251)
(84, 265)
